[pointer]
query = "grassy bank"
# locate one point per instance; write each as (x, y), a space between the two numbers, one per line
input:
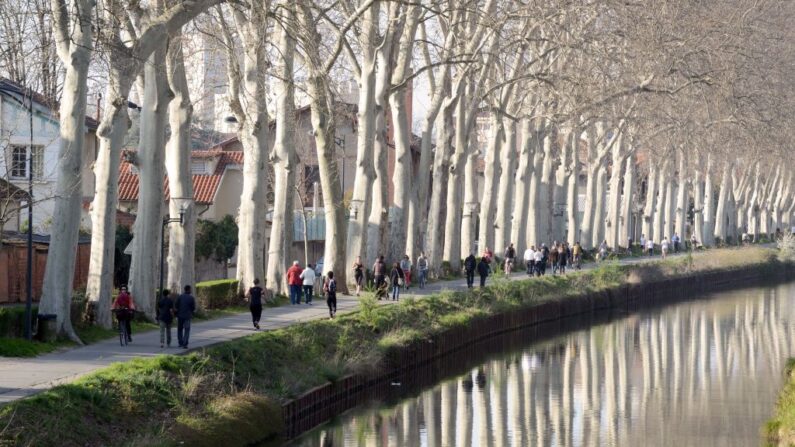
(230, 394)
(780, 430)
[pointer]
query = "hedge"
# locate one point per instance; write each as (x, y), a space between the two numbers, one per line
(12, 320)
(217, 294)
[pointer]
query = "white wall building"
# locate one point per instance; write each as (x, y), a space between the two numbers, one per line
(18, 157)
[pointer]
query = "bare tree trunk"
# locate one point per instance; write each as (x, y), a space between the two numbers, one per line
(592, 168)
(547, 185)
(378, 231)
(627, 198)
(491, 181)
(559, 195)
(247, 99)
(324, 127)
(402, 175)
(361, 200)
(73, 36)
(651, 196)
(471, 204)
(182, 238)
(599, 208)
(669, 206)
(507, 193)
(698, 204)
(659, 213)
(519, 233)
(572, 194)
(612, 224)
(722, 211)
(437, 213)
(682, 203)
(708, 213)
(454, 205)
(283, 157)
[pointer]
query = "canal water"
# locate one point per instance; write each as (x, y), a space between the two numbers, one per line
(697, 373)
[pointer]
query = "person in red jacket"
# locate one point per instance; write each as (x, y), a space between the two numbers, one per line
(126, 306)
(295, 282)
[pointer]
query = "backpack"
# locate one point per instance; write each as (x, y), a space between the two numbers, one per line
(331, 286)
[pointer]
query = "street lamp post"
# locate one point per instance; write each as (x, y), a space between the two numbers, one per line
(166, 221)
(29, 279)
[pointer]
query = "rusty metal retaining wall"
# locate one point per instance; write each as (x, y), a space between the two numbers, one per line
(418, 365)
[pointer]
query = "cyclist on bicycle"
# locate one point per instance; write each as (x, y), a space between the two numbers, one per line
(126, 306)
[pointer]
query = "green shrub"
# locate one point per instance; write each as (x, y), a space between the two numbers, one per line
(12, 320)
(217, 294)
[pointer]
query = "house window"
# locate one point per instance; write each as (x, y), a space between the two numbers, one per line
(198, 167)
(21, 159)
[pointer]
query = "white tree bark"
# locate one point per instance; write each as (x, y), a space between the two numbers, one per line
(519, 233)
(365, 171)
(722, 211)
(146, 241)
(599, 207)
(612, 224)
(72, 30)
(651, 195)
(441, 168)
(506, 193)
(572, 193)
(586, 232)
(283, 158)
(682, 196)
(125, 64)
(708, 213)
(182, 238)
(402, 174)
(534, 236)
(659, 212)
(455, 179)
(547, 186)
(669, 206)
(247, 100)
(491, 182)
(324, 127)
(698, 203)
(627, 199)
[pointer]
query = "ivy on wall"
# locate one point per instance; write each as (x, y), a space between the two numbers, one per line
(216, 240)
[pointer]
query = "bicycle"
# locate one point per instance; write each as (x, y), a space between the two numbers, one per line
(122, 315)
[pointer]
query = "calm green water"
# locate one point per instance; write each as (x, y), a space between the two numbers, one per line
(699, 373)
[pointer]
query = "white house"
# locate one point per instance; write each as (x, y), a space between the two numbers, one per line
(23, 152)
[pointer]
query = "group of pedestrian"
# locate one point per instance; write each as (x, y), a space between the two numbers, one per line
(301, 283)
(183, 309)
(558, 257)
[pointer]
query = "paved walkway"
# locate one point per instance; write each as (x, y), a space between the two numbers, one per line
(23, 377)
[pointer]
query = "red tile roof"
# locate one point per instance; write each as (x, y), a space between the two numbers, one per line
(204, 185)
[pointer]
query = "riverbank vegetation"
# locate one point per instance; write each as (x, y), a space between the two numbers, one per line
(780, 430)
(208, 397)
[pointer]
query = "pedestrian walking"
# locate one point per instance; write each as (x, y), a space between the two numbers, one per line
(405, 265)
(510, 256)
(539, 260)
(358, 274)
(562, 258)
(529, 260)
(664, 246)
(185, 308)
(125, 305)
(379, 277)
(650, 247)
(422, 269)
(295, 283)
(483, 271)
(308, 278)
(576, 255)
(642, 242)
(254, 297)
(676, 242)
(603, 250)
(544, 259)
(330, 290)
(165, 316)
(553, 258)
(396, 280)
(470, 263)
(694, 241)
